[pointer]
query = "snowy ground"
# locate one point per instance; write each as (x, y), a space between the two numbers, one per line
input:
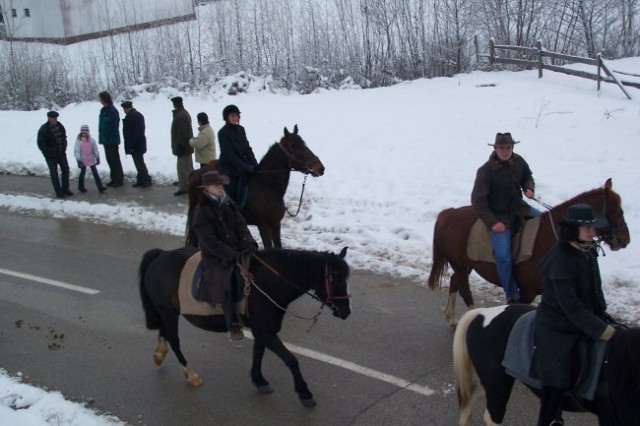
(394, 158)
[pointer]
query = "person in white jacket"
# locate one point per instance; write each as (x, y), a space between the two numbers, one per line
(87, 155)
(204, 143)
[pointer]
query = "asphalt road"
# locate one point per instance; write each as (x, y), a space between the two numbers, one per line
(95, 349)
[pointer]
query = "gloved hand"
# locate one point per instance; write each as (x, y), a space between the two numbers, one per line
(80, 164)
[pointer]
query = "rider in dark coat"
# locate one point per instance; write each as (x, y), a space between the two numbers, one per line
(572, 307)
(497, 198)
(222, 234)
(236, 156)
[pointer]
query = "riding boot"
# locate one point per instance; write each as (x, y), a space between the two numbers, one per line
(551, 407)
(234, 325)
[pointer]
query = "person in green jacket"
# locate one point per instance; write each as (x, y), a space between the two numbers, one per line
(109, 137)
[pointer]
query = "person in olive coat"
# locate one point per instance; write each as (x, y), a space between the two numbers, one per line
(52, 142)
(222, 234)
(109, 137)
(572, 306)
(181, 133)
(135, 142)
(236, 156)
(497, 198)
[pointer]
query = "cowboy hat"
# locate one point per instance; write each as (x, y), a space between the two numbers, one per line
(214, 178)
(503, 139)
(583, 215)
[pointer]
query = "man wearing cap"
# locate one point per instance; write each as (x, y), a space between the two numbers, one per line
(181, 132)
(572, 306)
(109, 138)
(52, 142)
(222, 234)
(497, 198)
(135, 142)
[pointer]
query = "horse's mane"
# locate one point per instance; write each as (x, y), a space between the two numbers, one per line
(581, 197)
(300, 265)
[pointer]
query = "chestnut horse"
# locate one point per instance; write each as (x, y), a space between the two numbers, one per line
(265, 206)
(451, 232)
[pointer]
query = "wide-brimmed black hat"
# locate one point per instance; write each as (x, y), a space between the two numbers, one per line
(583, 215)
(214, 178)
(177, 99)
(52, 114)
(503, 139)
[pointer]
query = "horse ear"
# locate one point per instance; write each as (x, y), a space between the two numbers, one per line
(286, 132)
(295, 129)
(608, 184)
(343, 253)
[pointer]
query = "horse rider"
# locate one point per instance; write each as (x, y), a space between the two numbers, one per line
(572, 306)
(222, 234)
(497, 198)
(236, 156)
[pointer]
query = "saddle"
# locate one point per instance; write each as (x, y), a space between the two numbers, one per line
(479, 246)
(518, 357)
(190, 280)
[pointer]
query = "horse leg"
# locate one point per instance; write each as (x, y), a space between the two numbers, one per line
(256, 369)
(459, 283)
(265, 235)
(275, 230)
(274, 344)
(170, 321)
(161, 351)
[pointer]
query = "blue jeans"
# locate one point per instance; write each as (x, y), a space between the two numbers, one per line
(96, 177)
(60, 187)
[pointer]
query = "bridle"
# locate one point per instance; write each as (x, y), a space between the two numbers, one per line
(610, 236)
(303, 166)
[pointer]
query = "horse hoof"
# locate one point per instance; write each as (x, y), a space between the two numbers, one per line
(195, 382)
(265, 390)
(158, 359)
(309, 403)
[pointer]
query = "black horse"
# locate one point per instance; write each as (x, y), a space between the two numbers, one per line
(279, 277)
(479, 345)
(265, 204)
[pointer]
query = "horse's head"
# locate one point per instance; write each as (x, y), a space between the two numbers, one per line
(301, 158)
(335, 292)
(616, 233)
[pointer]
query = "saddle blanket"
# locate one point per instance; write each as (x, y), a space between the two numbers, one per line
(519, 356)
(479, 246)
(189, 280)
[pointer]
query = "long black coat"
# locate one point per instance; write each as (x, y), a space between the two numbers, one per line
(571, 306)
(222, 233)
(236, 156)
(47, 142)
(133, 131)
(497, 190)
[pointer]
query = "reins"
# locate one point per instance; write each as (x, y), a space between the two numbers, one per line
(304, 183)
(551, 213)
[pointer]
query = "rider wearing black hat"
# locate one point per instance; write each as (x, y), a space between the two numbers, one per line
(236, 156)
(572, 307)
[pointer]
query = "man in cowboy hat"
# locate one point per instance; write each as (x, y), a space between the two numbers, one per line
(222, 234)
(572, 306)
(497, 198)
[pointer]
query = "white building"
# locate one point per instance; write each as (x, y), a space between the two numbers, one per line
(70, 21)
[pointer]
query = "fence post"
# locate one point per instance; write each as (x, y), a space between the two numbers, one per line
(492, 51)
(599, 58)
(540, 63)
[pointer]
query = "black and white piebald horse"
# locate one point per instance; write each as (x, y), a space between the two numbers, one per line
(479, 345)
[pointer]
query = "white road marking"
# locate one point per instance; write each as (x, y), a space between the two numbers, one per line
(365, 371)
(49, 282)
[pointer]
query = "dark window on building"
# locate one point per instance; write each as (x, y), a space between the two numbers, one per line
(14, 13)
(27, 13)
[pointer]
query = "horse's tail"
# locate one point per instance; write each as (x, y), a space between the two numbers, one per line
(439, 262)
(151, 315)
(468, 385)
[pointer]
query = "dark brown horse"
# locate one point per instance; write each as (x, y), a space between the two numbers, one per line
(265, 206)
(451, 232)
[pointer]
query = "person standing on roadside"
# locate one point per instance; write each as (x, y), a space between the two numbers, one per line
(52, 142)
(181, 133)
(204, 143)
(109, 137)
(135, 142)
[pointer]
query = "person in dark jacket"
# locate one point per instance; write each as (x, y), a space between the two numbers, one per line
(236, 156)
(222, 234)
(497, 198)
(135, 142)
(572, 306)
(181, 133)
(109, 137)
(52, 142)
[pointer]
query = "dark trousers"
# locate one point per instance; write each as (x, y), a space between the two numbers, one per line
(59, 187)
(112, 155)
(141, 168)
(550, 405)
(96, 177)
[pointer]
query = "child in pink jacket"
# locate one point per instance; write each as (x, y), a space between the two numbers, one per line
(87, 154)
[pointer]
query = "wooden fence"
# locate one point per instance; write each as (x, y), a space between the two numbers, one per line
(533, 57)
